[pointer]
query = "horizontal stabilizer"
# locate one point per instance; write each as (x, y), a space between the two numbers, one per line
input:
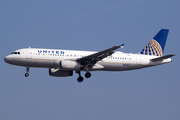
(162, 58)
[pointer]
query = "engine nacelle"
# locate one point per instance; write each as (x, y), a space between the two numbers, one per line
(59, 73)
(69, 65)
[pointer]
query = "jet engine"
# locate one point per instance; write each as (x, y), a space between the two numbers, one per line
(70, 65)
(59, 73)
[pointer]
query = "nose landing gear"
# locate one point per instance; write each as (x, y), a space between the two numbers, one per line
(27, 74)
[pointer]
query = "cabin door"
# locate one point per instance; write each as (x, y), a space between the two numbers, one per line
(28, 53)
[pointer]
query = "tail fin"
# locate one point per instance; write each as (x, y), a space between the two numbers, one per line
(156, 45)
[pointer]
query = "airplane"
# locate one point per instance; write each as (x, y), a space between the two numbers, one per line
(62, 63)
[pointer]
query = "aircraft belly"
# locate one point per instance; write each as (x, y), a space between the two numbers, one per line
(118, 66)
(37, 63)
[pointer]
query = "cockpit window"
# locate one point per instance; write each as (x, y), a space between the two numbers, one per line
(15, 53)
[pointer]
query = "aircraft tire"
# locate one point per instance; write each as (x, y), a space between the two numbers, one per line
(80, 79)
(26, 74)
(88, 75)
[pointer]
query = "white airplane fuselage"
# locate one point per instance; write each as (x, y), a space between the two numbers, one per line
(62, 63)
(51, 58)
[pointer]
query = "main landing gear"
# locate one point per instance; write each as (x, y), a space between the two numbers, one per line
(80, 78)
(27, 74)
(88, 75)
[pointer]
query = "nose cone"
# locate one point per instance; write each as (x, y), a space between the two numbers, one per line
(7, 59)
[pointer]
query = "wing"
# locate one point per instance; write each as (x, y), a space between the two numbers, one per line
(162, 58)
(90, 60)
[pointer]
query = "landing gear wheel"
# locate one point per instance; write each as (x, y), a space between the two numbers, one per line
(26, 74)
(88, 75)
(80, 79)
(27, 69)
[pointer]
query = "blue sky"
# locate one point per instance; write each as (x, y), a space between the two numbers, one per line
(150, 93)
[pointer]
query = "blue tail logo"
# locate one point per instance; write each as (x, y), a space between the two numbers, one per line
(156, 45)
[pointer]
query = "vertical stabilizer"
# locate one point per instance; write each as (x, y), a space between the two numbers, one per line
(156, 45)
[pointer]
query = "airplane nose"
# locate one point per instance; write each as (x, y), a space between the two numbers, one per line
(11, 60)
(7, 59)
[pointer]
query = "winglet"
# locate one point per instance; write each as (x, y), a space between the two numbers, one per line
(121, 46)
